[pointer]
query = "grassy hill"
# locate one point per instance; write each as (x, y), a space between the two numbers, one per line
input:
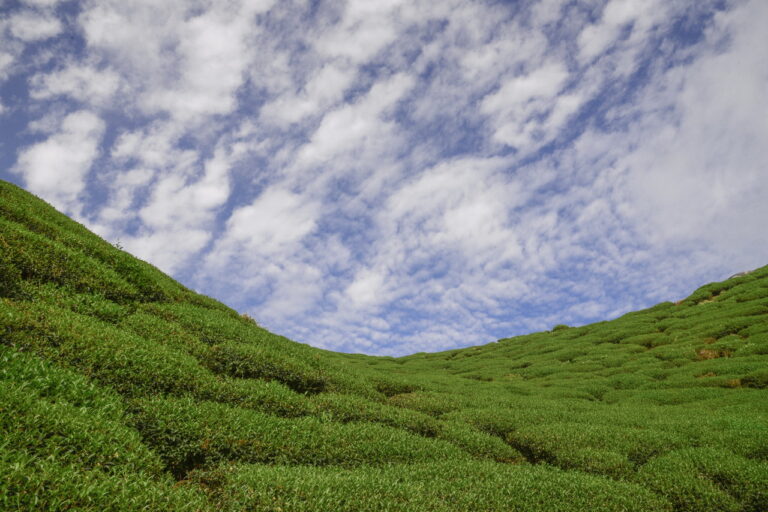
(120, 389)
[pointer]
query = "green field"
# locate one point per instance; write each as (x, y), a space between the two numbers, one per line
(124, 390)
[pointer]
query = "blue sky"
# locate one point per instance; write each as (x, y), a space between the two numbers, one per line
(399, 176)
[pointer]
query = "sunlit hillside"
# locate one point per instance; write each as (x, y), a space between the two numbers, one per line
(124, 390)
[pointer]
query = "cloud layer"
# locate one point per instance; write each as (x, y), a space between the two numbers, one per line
(392, 177)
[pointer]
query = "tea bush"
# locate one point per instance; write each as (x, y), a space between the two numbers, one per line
(189, 434)
(705, 479)
(435, 487)
(64, 444)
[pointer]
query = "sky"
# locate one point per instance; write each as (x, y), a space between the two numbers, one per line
(390, 176)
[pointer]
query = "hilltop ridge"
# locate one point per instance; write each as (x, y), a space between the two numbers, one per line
(124, 390)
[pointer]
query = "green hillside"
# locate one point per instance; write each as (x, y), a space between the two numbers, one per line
(124, 390)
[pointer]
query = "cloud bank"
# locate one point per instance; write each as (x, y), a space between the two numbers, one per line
(392, 177)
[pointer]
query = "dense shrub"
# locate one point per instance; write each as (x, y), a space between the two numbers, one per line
(266, 396)
(478, 444)
(255, 361)
(391, 385)
(42, 260)
(431, 403)
(43, 484)
(703, 479)
(10, 275)
(605, 449)
(346, 408)
(436, 487)
(189, 434)
(111, 356)
(65, 445)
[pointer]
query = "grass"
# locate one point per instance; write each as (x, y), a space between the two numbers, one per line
(120, 389)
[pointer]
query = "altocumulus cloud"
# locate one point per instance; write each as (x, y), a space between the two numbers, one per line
(392, 176)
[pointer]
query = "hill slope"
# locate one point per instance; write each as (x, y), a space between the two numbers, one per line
(123, 390)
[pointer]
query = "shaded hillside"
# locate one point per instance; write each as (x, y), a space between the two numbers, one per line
(123, 390)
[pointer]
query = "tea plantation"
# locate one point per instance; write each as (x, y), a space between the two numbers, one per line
(120, 389)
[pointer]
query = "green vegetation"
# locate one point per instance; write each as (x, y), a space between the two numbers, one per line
(120, 389)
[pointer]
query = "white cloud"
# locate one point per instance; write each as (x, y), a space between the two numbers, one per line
(544, 82)
(366, 28)
(296, 287)
(167, 249)
(6, 60)
(366, 289)
(124, 188)
(463, 203)
(214, 55)
(42, 3)
(187, 63)
(81, 82)
(265, 240)
(440, 241)
(275, 222)
(57, 167)
(546, 11)
(699, 175)
(49, 122)
(181, 209)
(360, 131)
(324, 89)
(514, 47)
(618, 15)
(137, 36)
(528, 110)
(155, 146)
(30, 26)
(469, 57)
